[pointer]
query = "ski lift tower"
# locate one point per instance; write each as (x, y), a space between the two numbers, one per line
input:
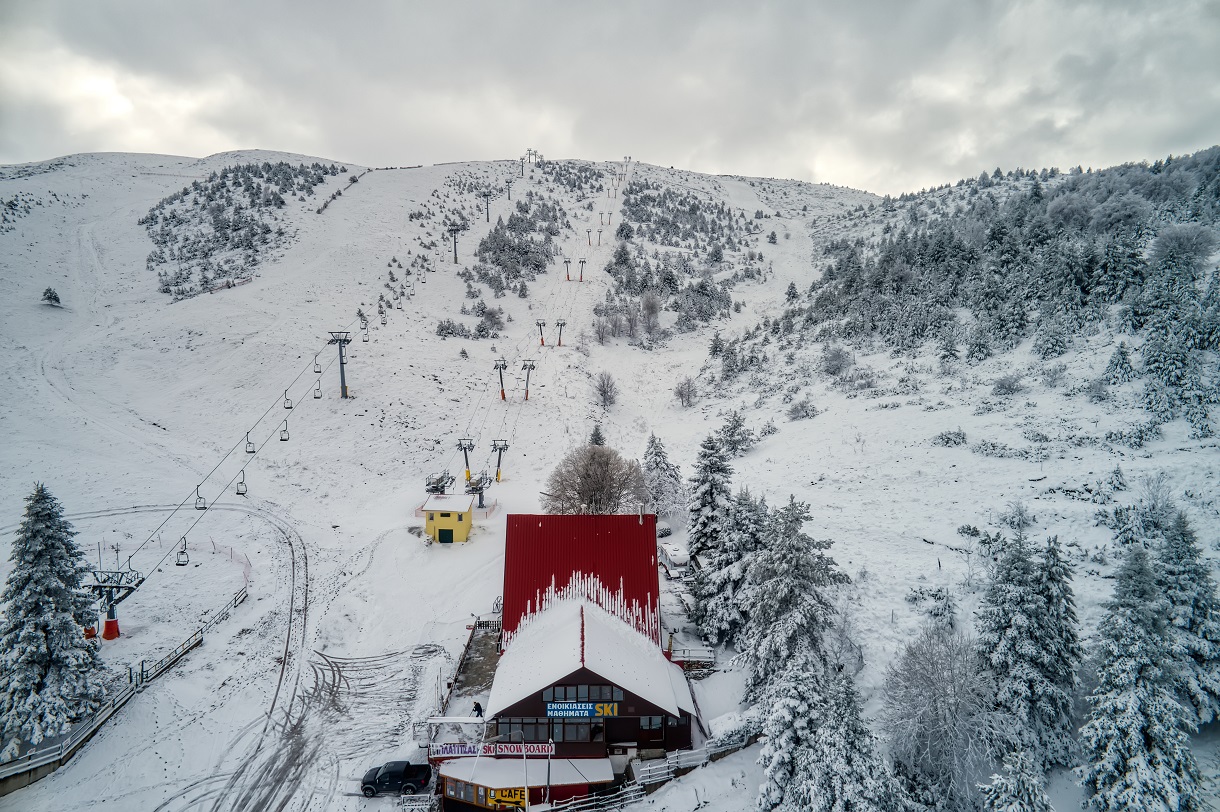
(438, 483)
(112, 587)
(342, 338)
(466, 445)
(478, 485)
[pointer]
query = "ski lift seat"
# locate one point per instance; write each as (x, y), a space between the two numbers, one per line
(241, 489)
(182, 559)
(284, 435)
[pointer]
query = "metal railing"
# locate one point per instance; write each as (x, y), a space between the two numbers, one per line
(420, 803)
(627, 794)
(661, 770)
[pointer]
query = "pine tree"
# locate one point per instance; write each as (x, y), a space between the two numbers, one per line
(1135, 742)
(1119, 370)
(48, 670)
(50, 296)
(788, 614)
(1194, 619)
(722, 585)
(709, 499)
(597, 438)
(1052, 338)
(978, 344)
(736, 437)
(1012, 630)
(662, 479)
(1021, 790)
(717, 344)
(840, 769)
(790, 729)
(791, 295)
(1061, 653)
(946, 347)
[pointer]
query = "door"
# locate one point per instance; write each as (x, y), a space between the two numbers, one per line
(444, 535)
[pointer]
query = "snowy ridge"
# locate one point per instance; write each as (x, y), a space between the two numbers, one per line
(644, 619)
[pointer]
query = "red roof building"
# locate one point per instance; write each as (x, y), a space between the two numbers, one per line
(609, 560)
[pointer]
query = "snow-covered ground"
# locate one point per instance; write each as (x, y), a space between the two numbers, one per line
(123, 402)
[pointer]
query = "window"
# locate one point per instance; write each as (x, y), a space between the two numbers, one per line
(650, 723)
(577, 730)
(431, 516)
(583, 693)
(533, 729)
(459, 517)
(446, 515)
(673, 721)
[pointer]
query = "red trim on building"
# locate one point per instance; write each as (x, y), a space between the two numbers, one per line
(544, 552)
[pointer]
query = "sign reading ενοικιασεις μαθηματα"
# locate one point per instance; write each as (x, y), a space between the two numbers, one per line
(564, 710)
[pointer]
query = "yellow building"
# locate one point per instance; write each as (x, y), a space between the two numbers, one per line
(447, 517)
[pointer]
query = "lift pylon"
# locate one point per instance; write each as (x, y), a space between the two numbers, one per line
(541, 338)
(501, 365)
(582, 271)
(560, 324)
(528, 367)
(478, 485)
(499, 446)
(466, 445)
(567, 269)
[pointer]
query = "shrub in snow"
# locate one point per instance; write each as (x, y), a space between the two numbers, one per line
(835, 360)
(50, 296)
(685, 391)
(605, 389)
(1097, 391)
(1009, 384)
(447, 328)
(1136, 747)
(949, 439)
(48, 670)
(802, 410)
(1135, 436)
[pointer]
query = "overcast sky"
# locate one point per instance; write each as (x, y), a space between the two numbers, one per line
(884, 96)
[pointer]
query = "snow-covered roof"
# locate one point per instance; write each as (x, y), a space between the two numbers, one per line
(502, 773)
(573, 634)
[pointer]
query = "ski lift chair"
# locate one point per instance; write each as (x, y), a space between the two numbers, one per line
(287, 401)
(317, 391)
(182, 559)
(250, 449)
(241, 486)
(200, 502)
(366, 336)
(383, 318)
(284, 433)
(317, 367)
(400, 304)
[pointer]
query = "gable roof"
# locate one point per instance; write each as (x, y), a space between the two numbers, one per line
(610, 560)
(574, 634)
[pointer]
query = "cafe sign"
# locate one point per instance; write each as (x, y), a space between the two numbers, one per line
(578, 710)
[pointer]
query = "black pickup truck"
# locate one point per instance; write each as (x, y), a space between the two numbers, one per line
(397, 777)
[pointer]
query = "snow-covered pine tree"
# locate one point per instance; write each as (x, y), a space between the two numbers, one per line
(1194, 619)
(978, 344)
(722, 585)
(788, 614)
(709, 499)
(840, 768)
(48, 670)
(1135, 742)
(946, 346)
(790, 729)
(596, 437)
(1010, 637)
(1051, 340)
(1061, 653)
(736, 437)
(1022, 789)
(663, 480)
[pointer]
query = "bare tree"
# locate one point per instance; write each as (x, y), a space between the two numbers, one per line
(632, 317)
(938, 713)
(594, 479)
(685, 391)
(606, 388)
(601, 329)
(650, 305)
(616, 324)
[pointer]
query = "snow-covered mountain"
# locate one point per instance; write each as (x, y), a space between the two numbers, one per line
(125, 399)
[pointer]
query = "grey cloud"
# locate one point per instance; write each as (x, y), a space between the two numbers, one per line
(884, 96)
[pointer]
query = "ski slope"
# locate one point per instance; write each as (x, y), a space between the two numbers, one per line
(123, 402)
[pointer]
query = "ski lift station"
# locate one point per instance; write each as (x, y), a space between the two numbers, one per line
(574, 678)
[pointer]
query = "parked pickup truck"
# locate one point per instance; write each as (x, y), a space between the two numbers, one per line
(397, 777)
